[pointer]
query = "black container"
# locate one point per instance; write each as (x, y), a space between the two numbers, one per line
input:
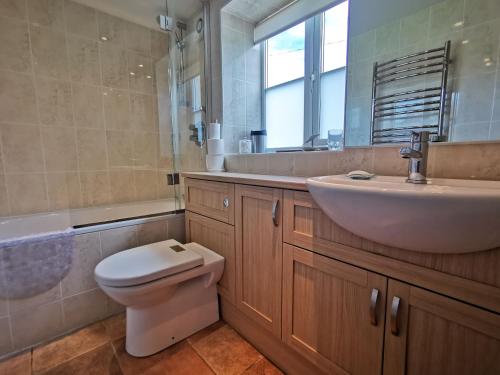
(259, 141)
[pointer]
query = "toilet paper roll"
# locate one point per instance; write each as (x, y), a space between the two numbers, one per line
(215, 146)
(214, 130)
(215, 163)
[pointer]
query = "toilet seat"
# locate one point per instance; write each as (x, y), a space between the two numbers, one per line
(146, 263)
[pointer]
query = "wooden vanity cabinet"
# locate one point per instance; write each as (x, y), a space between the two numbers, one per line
(427, 333)
(333, 313)
(258, 229)
(210, 198)
(218, 237)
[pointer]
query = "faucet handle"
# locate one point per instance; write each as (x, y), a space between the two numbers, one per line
(422, 136)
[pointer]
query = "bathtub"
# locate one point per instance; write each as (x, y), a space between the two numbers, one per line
(84, 220)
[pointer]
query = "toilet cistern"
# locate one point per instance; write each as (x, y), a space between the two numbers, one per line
(417, 153)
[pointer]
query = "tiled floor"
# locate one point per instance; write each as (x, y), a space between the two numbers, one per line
(99, 350)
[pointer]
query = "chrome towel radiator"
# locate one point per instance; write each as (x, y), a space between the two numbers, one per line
(393, 104)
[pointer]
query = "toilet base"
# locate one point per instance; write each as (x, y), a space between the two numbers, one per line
(192, 307)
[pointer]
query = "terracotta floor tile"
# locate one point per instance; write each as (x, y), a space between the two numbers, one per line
(100, 361)
(263, 367)
(69, 347)
(206, 331)
(226, 352)
(179, 359)
(18, 365)
(115, 326)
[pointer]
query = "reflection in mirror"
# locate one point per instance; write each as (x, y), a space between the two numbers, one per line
(284, 70)
(388, 29)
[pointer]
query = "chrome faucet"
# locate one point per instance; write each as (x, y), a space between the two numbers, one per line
(417, 153)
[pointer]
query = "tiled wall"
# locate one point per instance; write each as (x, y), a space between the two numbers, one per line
(78, 115)
(241, 79)
(48, 288)
(479, 160)
(473, 26)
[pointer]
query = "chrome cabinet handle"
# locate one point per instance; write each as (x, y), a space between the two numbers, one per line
(396, 301)
(275, 209)
(225, 202)
(373, 306)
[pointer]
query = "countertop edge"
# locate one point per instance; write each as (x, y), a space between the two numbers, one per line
(283, 182)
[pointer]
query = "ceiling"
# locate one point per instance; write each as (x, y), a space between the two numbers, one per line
(144, 12)
(254, 11)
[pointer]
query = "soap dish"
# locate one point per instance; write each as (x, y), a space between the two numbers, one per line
(360, 175)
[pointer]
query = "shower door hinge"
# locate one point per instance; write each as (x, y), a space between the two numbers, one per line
(173, 179)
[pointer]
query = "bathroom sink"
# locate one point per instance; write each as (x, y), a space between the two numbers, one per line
(444, 216)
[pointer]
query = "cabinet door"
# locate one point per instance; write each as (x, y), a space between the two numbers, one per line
(259, 254)
(427, 333)
(218, 237)
(210, 198)
(333, 312)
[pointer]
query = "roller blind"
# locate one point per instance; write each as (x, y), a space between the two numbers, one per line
(289, 16)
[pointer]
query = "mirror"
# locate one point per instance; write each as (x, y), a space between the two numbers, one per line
(383, 30)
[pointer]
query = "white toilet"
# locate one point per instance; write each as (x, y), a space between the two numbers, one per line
(169, 290)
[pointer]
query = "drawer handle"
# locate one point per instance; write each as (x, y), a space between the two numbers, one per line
(396, 301)
(373, 306)
(225, 202)
(275, 210)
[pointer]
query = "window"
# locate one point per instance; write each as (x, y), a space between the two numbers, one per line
(297, 105)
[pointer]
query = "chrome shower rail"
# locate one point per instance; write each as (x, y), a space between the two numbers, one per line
(400, 103)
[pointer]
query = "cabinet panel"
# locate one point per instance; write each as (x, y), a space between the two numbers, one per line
(328, 312)
(259, 254)
(427, 333)
(210, 198)
(218, 237)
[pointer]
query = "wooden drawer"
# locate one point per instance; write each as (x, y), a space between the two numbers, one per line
(218, 237)
(211, 199)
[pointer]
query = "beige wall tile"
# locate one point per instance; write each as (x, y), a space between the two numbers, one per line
(14, 46)
(86, 255)
(120, 148)
(5, 340)
(309, 164)
(142, 112)
(159, 44)
(145, 149)
(26, 330)
(116, 109)
(49, 52)
(350, 159)
(13, 8)
(55, 102)
(118, 239)
(91, 144)
(138, 38)
(88, 107)
(257, 163)
(114, 66)
(237, 163)
(140, 73)
(64, 190)
(80, 19)
(154, 231)
(146, 184)
(51, 295)
(281, 164)
(17, 98)
(27, 193)
(164, 190)
(4, 203)
(22, 148)
(112, 28)
(83, 61)
(95, 188)
(387, 161)
(48, 13)
(176, 228)
(60, 149)
(122, 185)
(84, 308)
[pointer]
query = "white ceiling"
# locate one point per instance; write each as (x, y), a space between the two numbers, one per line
(254, 11)
(144, 12)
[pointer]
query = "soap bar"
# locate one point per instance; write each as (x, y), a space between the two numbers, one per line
(360, 175)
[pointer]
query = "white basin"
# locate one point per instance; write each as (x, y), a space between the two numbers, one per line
(445, 216)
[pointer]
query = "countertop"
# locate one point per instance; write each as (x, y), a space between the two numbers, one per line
(283, 182)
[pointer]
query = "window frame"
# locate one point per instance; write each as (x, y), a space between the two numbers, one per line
(313, 57)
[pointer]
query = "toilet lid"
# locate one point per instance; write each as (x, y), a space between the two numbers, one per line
(146, 263)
